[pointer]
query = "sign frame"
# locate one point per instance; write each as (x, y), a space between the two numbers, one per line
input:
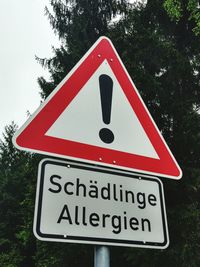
(94, 240)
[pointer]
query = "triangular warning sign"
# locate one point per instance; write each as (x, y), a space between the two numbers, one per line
(97, 115)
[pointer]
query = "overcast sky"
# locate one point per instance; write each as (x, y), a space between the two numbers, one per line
(25, 32)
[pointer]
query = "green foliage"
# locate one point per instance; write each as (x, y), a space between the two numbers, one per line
(194, 9)
(179, 9)
(12, 258)
(174, 9)
(61, 255)
(17, 172)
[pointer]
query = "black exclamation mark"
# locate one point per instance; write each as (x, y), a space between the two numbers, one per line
(106, 90)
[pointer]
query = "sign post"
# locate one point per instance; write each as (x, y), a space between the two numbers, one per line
(102, 256)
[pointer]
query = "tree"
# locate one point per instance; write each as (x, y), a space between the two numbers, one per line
(163, 58)
(18, 177)
(178, 10)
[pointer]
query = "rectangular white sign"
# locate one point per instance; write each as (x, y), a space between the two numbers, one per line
(80, 203)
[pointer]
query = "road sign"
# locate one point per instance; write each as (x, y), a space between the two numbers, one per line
(97, 115)
(81, 203)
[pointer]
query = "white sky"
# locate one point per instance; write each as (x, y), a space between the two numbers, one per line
(24, 33)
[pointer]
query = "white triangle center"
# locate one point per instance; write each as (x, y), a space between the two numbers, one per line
(82, 120)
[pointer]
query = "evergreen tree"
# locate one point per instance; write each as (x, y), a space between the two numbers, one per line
(180, 9)
(17, 187)
(165, 65)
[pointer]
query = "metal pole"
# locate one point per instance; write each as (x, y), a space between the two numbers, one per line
(102, 256)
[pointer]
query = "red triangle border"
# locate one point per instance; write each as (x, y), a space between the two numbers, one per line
(32, 136)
